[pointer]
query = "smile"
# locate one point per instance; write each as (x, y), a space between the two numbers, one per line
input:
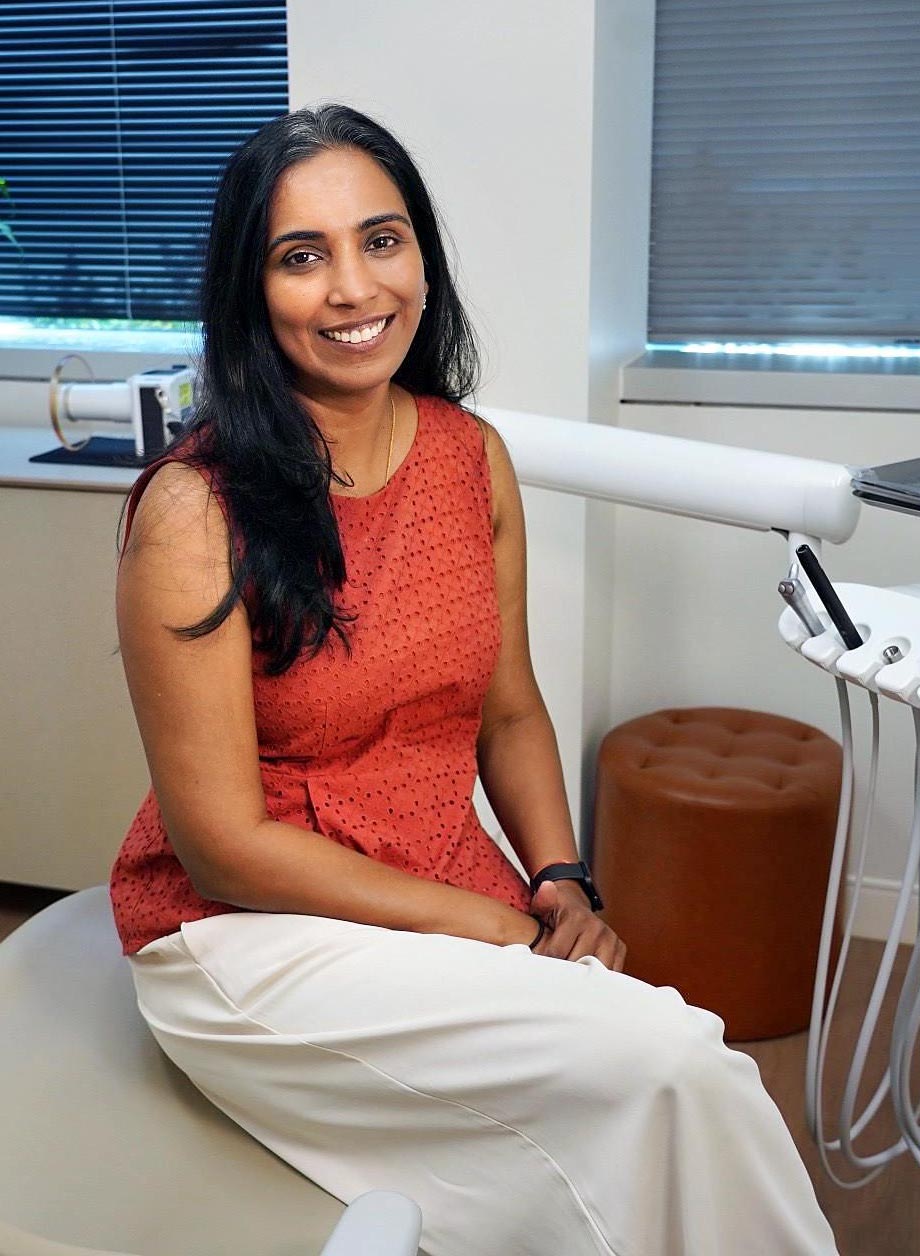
(363, 333)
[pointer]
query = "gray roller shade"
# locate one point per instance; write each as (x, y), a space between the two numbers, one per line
(786, 171)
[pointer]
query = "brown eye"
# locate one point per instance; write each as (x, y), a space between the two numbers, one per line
(300, 258)
(386, 240)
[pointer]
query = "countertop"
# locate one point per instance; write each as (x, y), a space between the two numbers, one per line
(18, 444)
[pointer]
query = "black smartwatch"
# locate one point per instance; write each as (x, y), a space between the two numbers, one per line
(579, 872)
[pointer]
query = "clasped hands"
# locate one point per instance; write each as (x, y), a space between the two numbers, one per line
(572, 928)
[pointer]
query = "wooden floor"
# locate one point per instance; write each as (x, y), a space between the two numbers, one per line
(880, 1219)
(883, 1217)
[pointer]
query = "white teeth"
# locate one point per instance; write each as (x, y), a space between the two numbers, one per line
(357, 335)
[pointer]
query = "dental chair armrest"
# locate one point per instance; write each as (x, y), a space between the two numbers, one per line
(378, 1223)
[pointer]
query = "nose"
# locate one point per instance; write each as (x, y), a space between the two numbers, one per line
(352, 279)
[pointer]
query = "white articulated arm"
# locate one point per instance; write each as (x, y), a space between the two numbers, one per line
(744, 487)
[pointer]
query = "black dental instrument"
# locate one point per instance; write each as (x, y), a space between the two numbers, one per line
(793, 592)
(849, 634)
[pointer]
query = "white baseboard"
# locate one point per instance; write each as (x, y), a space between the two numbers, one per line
(876, 909)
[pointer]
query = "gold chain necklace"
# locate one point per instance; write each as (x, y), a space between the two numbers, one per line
(386, 477)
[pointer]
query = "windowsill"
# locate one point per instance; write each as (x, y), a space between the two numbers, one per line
(667, 377)
(18, 444)
(111, 355)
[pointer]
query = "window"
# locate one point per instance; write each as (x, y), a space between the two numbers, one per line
(786, 171)
(786, 180)
(116, 117)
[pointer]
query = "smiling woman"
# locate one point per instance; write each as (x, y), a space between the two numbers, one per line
(322, 616)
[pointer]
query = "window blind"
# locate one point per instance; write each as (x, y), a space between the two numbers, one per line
(115, 119)
(786, 171)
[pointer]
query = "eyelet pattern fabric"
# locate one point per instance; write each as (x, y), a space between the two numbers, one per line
(375, 749)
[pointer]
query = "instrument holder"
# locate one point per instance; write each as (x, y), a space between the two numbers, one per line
(884, 617)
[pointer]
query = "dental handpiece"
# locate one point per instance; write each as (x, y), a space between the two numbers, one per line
(793, 592)
(849, 633)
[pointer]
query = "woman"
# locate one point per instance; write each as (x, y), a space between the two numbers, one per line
(321, 608)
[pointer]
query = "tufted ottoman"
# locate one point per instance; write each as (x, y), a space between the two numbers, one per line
(713, 836)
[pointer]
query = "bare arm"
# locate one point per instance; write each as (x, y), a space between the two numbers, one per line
(194, 706)
(517, 751)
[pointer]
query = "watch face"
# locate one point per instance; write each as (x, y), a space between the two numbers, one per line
(590, 888)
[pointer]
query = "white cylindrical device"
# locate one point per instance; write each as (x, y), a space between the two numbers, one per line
(109, 403)
(745, 487)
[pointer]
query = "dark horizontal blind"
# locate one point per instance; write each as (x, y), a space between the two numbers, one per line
(786, 170)
(115, 119)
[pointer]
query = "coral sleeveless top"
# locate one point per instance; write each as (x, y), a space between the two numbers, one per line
(376, 750)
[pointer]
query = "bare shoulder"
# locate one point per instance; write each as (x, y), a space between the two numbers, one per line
(178, 510)
(506, 495)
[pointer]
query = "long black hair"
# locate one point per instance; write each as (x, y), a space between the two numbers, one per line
(268, 458)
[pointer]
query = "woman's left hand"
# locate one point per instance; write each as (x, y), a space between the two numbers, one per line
(573, 930)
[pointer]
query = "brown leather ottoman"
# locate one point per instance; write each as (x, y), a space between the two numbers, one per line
(713, 836)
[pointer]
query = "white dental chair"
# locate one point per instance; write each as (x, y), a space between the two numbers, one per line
(105, 1146)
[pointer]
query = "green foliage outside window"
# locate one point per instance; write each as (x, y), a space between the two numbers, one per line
(5, 228)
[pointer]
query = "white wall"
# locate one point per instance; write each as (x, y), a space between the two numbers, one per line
(531, 121)
(495, 102)
(24, 403)
(620, 195)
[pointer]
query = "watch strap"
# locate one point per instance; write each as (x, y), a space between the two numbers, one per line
(579, 872)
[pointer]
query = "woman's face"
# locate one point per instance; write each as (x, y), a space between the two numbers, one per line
(343, 275)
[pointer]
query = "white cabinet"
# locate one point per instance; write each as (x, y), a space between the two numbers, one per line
(72, 769)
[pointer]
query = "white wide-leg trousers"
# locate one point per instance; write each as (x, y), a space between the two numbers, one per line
(531, 1106)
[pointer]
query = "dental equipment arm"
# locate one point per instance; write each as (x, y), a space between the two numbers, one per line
(744, 487)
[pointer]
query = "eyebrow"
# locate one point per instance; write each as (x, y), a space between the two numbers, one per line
(365, 225)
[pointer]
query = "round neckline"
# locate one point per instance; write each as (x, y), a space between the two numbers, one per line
(408, 458)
